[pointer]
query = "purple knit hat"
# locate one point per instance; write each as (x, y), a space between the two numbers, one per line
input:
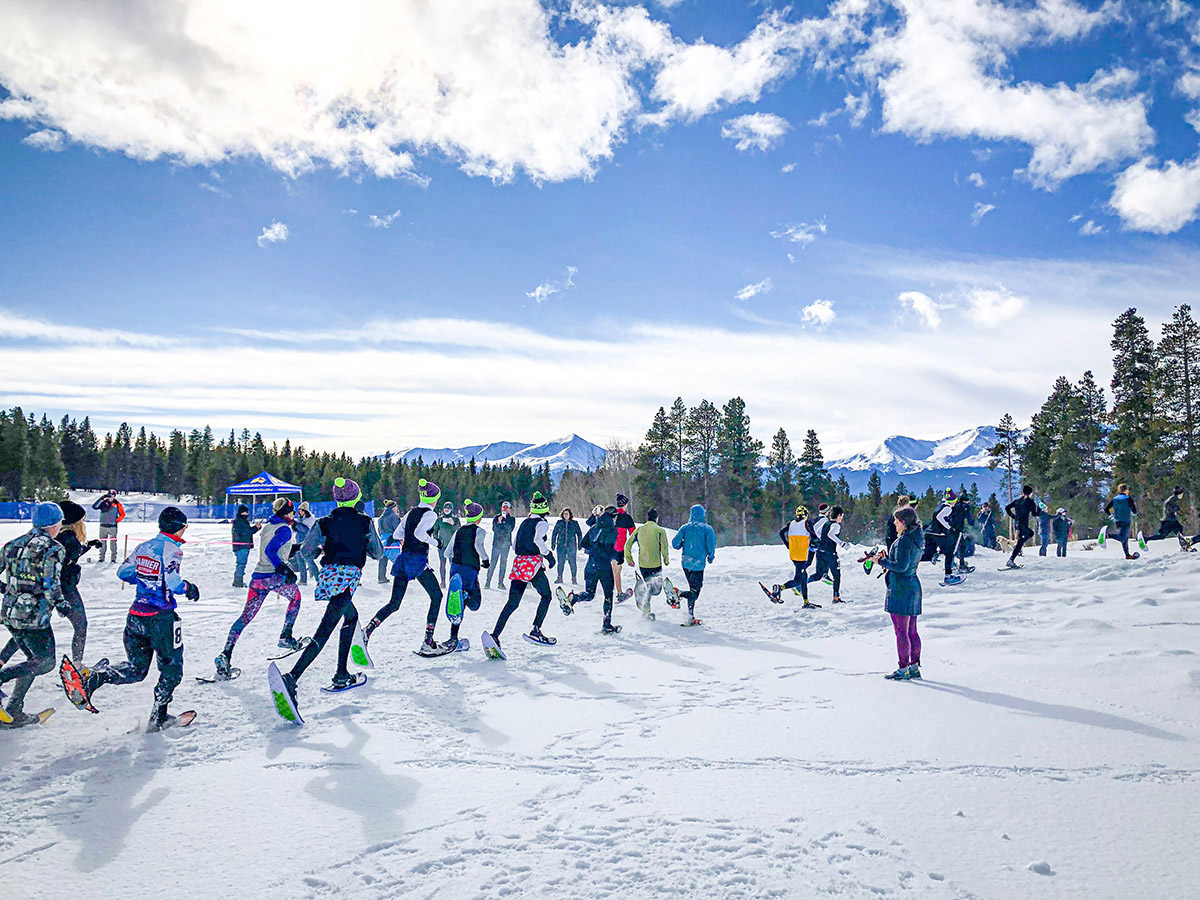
(345, 491)
(428, 492)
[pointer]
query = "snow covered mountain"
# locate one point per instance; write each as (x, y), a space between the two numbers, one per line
(570, 452)
(947, 462)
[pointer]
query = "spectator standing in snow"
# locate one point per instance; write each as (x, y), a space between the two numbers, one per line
(502, 533)
(1045, 527)
(904, 592)
(302, 523)
(565, 542)
(242, 538)
(447, 524)
(112, 513)
(389, 521)
(1061, 526)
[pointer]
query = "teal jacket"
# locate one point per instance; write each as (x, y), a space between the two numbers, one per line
(697, 540)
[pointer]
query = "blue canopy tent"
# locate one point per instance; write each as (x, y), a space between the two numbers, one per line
(264, 484)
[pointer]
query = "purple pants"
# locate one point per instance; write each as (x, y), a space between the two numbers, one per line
(908, 642)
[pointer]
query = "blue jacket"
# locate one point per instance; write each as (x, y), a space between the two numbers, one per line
(154, 568)
(1121, 508)
(904, 588)
(697, 540)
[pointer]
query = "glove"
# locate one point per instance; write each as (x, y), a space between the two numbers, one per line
(485, 563)
(295, 550)
(62, 607)
(550, 559)
(286, 572)
(95, 545)
(191, 591)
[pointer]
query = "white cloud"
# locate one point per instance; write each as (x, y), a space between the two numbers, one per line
(990, 307)
(758, 131)
(753, 290)
(981, 210)
(383, 222)
(1090, 228)
(802, 234)
(548, 289)
(17, 327)
(213, 189)
(1158, 199)
(788, 169)
(272, 233)
(976, 179)
(924, 306)
(938, 73)
(819, 313)
(857, 106)
(46, 139)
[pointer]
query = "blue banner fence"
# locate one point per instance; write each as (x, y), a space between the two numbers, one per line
(148, 512)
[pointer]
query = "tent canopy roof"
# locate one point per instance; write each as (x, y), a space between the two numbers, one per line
(261, 484)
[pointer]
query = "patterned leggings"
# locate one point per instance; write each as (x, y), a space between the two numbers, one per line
(259, 588)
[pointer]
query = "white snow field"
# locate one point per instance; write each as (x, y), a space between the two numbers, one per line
(1051, 750)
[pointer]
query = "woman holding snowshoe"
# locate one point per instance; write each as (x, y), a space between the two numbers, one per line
(904, 591)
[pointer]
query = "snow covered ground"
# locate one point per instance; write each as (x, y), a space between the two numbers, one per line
(1050, 752)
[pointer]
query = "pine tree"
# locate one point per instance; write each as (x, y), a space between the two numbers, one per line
(654, 457)
(175, 482)
(814, 481)
(739, 453)
(700, 445)
(782, 472)
(875, 490)
(1091, 437)
(1135, 376)
(677, 452)
(1179, 356)
(1005, 455)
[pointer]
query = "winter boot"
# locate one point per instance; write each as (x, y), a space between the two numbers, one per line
(344, 680)
(287, 642)
(160, 718)
(238, 583)
(535, 636)
(370, 629)
(224, 669)
(609, 628)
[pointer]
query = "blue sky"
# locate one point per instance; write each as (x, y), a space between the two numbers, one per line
(399, 226)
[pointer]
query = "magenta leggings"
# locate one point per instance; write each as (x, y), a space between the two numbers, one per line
(908, 642)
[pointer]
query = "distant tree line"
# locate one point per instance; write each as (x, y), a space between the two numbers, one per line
(1077, 448)
(41, 460)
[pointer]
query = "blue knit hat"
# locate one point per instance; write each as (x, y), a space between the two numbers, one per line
(46, 514)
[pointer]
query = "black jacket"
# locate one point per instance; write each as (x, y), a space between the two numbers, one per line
(243, 533)
(566, 536)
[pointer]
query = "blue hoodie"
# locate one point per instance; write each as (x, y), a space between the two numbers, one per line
(697, 540)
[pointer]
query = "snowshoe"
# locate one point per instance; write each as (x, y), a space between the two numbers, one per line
(463, 644)
(162, 722)
(491, 647)
(672, 594)
(691, 622)
(1102, 537)
(1133, 556)
(965, 570)
(431, 648)
(535, 636)
(74, 686)
(829, 581)
(565, 603)
(1183, 543)
(21, 719)
(952, 580)
(1008, 565)
(358, 649)
(346, 682)
(610, 628)
(454, 600)
(773, 592)
(838, 600)
(225, 672)
(624, 595)
(283, 694)
(1141, 540)
(293, 645)
(808, 605)
(648, 616)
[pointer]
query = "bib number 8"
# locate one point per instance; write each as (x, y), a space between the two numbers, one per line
(177, 636)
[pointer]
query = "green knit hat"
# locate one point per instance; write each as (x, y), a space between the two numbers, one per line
(539, 505)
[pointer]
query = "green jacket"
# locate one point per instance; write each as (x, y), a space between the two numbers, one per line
(653, 548)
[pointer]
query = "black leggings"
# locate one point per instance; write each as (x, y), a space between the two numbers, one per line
(1166, 528)
(340, 608)
(1024, 533)
(428, 581)
(38, 646)
(695, 580)
(76, 615)
(800, 579)
(599, 576)
(828, 563)
(516, 589)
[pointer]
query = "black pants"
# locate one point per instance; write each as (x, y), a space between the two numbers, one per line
(1024, 533)
(145, 637)
(428, 581)
(339, 609)
(38, 646)
(75, 615)
(516, 590)
(828, 563)
(1166, 528)
(949, 545)
(695, 580)
(800, 579)
(599, 575)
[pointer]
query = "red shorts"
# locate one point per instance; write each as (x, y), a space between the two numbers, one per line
(524, 568)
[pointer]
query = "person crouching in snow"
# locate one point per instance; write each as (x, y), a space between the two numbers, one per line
(904, 592)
